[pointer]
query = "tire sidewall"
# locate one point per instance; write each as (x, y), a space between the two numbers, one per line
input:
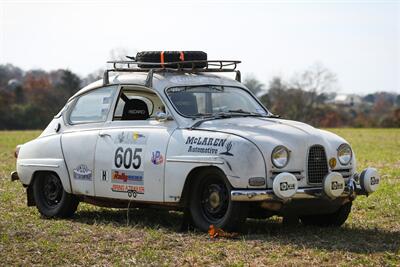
(41, 204)
(199, 219)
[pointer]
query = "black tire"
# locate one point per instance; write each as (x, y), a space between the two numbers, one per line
(335, 219)
(210, 203)
(51, 199)
(171, 56)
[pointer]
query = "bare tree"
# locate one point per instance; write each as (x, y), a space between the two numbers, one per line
(317, 80)
(254, 85)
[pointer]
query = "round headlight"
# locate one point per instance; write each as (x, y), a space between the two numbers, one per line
(344, 154)
(280, 156)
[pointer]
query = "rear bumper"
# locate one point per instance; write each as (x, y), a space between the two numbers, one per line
(351, 190)
(14, 176)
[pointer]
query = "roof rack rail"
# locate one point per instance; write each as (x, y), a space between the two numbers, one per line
(179, 66)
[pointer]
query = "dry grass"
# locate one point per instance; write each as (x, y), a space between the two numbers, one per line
(97, 236)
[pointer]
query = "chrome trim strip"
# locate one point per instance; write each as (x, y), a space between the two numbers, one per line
(38, 165)
(195, 161)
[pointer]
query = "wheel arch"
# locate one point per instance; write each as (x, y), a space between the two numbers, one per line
(64, 180)
(29, 190)
(192, 176)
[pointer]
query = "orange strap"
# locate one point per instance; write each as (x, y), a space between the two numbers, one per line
(182, 56)
(162, 58)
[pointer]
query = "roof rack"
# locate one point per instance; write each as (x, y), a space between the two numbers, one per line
(180, 66)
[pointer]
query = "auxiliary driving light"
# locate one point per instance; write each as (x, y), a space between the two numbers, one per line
(369, 180)
(285, 185)
(333, 185)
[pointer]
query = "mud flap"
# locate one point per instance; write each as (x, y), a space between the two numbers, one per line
(29, 197)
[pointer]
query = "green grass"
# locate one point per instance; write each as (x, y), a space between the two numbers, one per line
(99, 236)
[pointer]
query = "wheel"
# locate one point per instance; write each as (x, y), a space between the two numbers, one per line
(335, 219)
(210, 203)
(51, 199)
(171, 56)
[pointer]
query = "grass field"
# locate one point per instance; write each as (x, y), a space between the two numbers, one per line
(98, 236)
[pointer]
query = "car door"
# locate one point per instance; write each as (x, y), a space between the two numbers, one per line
(130, 151)
(84, 121)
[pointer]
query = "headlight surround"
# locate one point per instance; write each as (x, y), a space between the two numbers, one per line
(344, 154)
(280, 156)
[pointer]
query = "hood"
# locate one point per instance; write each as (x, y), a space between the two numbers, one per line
(267, 133)
(265, 129)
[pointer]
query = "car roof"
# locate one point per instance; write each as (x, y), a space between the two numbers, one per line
(162, 80)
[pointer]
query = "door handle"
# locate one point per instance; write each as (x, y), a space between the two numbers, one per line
(104, 134)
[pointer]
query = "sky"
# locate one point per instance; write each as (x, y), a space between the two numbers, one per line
(359, 41)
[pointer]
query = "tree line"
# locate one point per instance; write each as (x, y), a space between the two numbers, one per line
(30, 99)
(310, 97)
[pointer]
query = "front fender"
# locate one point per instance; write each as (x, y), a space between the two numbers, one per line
(236, 156)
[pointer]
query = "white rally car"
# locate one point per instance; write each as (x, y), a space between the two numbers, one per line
(164, 131)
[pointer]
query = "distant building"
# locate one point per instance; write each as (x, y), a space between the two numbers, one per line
(347, 100)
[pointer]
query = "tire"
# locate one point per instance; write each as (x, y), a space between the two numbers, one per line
(171, 56)
(51, 199)
(210, 203)
(335, 219)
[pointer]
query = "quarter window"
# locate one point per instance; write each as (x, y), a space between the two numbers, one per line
(93, 106)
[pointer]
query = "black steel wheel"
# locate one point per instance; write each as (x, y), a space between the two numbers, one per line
(50, 197)
(215, 199)
(210, 202)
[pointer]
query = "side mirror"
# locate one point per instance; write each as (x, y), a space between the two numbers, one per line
(162, 116)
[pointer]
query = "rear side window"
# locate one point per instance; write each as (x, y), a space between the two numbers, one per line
(93, 106)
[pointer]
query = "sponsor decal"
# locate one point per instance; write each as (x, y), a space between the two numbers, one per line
(157, 158)
(208, 145)
(137, 111)
(337, 186)
(82, 172)
(228, 148)
(130, 138)
(128, 158)
(374, 180)
(131, 190)
(127, 177)
(284, 186)
(104, 176)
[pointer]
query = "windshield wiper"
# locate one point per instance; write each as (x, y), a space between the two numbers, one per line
(229, 114)
(202, 115)
(217, 116)
(247, 113)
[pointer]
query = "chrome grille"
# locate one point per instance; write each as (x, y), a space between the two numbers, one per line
(317, 164)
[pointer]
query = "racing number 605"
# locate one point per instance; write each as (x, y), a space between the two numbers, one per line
(127, 158)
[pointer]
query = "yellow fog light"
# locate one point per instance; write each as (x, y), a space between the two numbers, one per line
(332, 163)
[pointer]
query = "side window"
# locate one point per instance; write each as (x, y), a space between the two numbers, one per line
(137, 104)
(93, 106)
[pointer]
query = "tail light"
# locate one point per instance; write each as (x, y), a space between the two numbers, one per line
(16, 151)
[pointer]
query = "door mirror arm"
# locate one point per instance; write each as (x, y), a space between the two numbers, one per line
(162, 117)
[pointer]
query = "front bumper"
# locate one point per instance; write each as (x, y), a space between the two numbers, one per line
(351, 190)
(302, 193)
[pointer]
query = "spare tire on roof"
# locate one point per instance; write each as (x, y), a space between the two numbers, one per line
(163, 57)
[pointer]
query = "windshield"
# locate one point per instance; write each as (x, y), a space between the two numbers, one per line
(198, 101)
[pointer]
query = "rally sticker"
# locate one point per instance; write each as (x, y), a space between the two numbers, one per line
(127, 175)
(209, 145)
(131, 190)
(82, 172)
(157, 158)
